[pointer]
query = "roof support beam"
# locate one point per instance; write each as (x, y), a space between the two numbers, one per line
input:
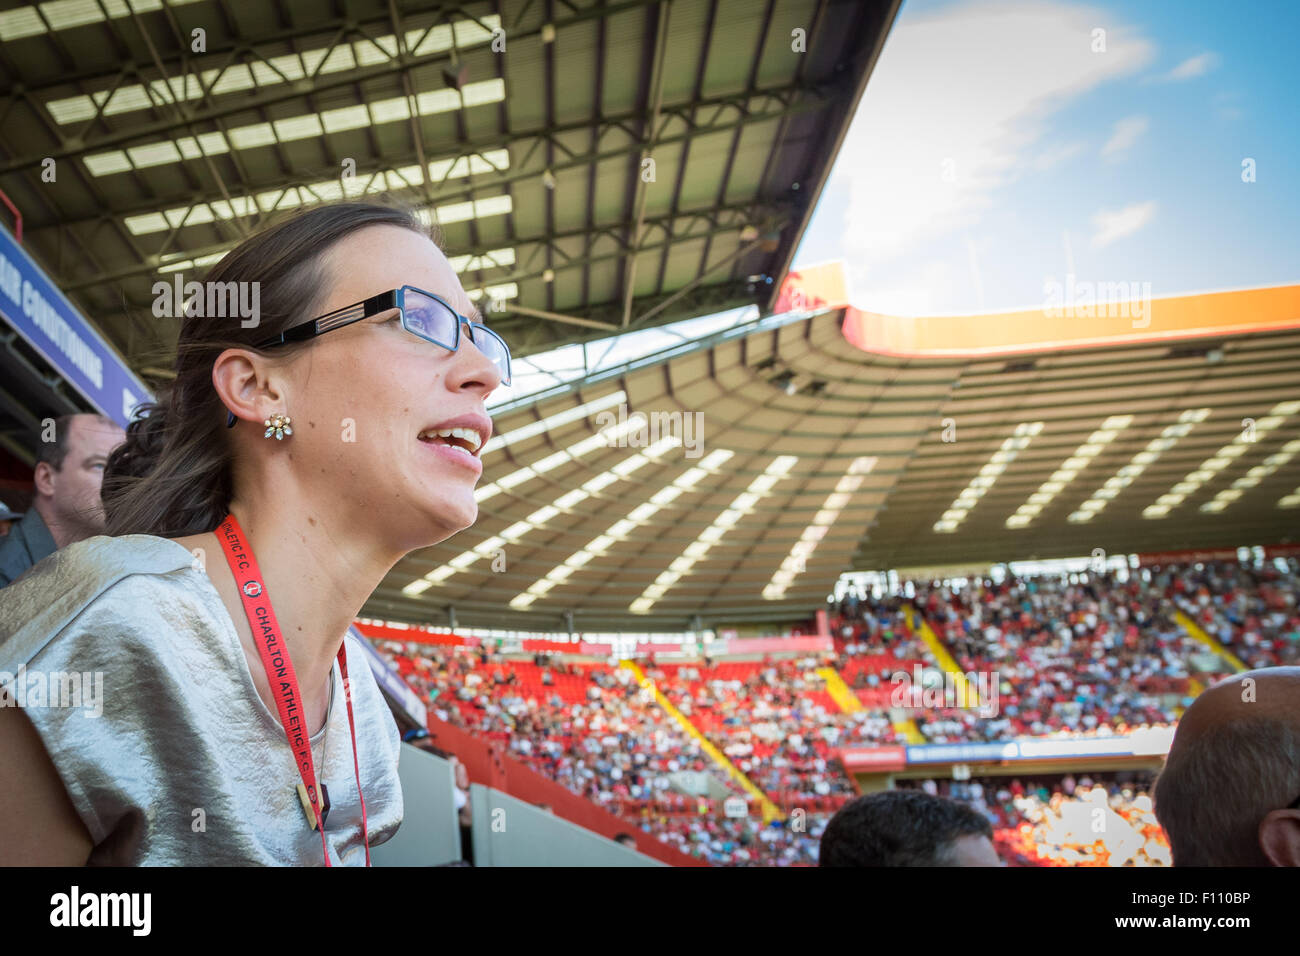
(315, 85)
(677, 228)
(557, 317)
(613, 234)
(641, 185)
(780, 102)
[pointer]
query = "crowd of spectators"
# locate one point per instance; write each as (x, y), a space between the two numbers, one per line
(587, 726)
(1089, 653)
(743, 842)
(774, 720)
(1251, 611)
(1064, 821)
(595, 730)
(1083, 654)
(1094, 656)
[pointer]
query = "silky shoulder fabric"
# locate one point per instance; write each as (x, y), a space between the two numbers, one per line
(167, 751)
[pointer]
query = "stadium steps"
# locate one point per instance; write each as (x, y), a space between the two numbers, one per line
(840, 693)
(770, 810)
(906, 728)
(921, 628)
(1194, 688)
(849, 702)
(1194, 629)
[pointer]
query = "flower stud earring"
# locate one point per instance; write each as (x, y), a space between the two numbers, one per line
(277, 425)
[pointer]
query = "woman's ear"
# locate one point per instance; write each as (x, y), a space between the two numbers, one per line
(245, 385)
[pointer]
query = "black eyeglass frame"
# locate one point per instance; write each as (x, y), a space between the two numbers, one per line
(377, 305)
(368, 308)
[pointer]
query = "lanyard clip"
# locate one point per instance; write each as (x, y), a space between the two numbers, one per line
(324, 805)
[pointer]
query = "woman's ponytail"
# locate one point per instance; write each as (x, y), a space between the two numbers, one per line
(167, 480)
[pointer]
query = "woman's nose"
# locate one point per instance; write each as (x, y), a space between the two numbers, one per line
(472, 367)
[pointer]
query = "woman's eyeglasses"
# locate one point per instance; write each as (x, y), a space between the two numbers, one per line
(424, 314)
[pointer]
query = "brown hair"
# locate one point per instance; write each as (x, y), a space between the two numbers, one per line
(172, 476)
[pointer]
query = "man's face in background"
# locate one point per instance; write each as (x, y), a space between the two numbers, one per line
(974, 850)
(74, 488)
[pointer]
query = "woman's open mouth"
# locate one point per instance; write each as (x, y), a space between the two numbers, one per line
(457, 445)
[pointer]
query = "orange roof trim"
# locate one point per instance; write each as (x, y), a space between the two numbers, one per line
(1078, 317)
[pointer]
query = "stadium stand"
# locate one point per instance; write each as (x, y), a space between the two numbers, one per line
(1079, 655)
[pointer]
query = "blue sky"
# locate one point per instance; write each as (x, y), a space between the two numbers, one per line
(994, 150)
(1123, 165)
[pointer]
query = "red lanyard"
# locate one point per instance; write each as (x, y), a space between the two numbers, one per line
(279, 670)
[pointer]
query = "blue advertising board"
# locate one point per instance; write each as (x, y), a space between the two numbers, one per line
(38, 311)
(1154, 741)
(961, 753)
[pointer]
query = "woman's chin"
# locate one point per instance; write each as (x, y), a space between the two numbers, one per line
(444, 501)
(449, 514)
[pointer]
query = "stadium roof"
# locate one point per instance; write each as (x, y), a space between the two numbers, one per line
(524, 128)
(800, 454)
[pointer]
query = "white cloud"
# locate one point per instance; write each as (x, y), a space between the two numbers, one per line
(1224, 108)
(1055, 155)
(1112, 224)
(1125, 134)
(967, 90)
(1192, 67)
(920, 289)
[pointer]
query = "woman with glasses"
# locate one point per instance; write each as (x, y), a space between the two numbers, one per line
(295, 458)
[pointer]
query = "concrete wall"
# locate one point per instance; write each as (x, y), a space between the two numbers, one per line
(509, 832)
(429, 834)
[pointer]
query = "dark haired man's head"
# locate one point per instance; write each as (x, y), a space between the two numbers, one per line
(68, 475)
(627, 839)
(907, 828)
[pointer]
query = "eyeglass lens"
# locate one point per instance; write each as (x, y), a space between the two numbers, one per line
(430, 319)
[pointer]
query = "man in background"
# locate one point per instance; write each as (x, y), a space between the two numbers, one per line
(67, 506)
(907, 828)
(8, 518)
(1229, 794)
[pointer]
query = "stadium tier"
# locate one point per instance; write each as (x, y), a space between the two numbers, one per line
(1075, 655)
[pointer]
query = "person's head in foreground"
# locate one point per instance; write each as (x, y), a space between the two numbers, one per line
(1229, 794)
(336, 415)
(907, 828)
